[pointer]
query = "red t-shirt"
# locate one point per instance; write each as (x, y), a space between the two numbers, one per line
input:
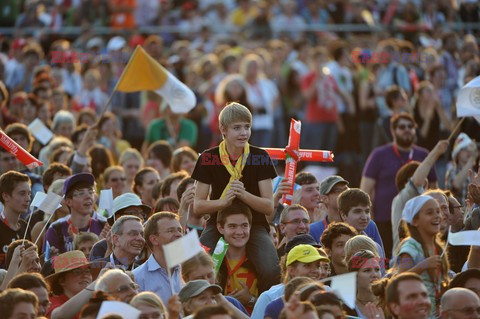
(57, 301)
(322, 106)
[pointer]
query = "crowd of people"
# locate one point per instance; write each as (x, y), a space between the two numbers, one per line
(383, 102)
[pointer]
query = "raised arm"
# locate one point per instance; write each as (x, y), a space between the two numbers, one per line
(424, 168)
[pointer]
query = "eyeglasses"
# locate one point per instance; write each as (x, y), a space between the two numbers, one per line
(84, 192)
(298, 221)
(125, 288)
(117, 179)
(405, 126)
(467, 311)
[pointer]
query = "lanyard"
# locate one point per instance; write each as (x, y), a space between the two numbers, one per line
(75, 230)
(397, 153)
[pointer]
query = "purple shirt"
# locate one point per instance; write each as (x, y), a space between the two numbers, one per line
(64, 241)
(382, 166)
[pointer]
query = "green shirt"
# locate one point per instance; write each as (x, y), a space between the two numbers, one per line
(157, 130)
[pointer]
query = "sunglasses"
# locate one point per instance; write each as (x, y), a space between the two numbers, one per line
(405, 126)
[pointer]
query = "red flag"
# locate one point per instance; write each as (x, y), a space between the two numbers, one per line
(22, 155)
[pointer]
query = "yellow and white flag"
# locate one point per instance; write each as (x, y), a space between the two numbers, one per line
(144, 73)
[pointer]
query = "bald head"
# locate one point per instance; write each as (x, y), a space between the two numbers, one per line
(457, 303)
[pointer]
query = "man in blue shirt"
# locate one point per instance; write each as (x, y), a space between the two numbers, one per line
(160, 229)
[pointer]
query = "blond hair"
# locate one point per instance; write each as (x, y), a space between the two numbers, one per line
(130, 153)
(202, 259)
(357, 243)
(149, 299)
(233, 113)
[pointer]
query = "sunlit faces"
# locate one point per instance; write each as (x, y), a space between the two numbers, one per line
(455, 218)
(413, 300)
(116, 181)
(75, 281)
(149, 312)
(404, 133)
(428, 219)
(331, 198)
(236, 230)
(202, 272)
(145, 190)
(368, 273)
(315, 270)
(337, 253)
(19, 200)
(168, 231)
(23, 310)
(43, 301)
(85, 247)
(207, 297)
(130, 240)
(187, 164)
(443, 204)
(358, 217)
(310, 196)
(121, 287)
(237, 134)
(82, 201)
(297, 223)
(131, 167)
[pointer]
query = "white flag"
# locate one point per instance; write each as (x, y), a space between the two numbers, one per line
(468, 100)
(464, 238)
(40, 131)
(345, 287)
(182, 249)
(51, 203)
(105, 203)
(119, 308)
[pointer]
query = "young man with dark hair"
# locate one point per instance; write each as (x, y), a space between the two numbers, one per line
(15, 194)
(237, 274)
(80, 197)
(354, 206)
(333, 240)
(378, 177)
(407, 297)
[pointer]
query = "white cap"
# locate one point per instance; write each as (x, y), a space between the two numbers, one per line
(462, 141)
(116, 43)
(413, 206)
(95, 42)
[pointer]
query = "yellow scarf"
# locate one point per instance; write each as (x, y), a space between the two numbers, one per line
(235, 172)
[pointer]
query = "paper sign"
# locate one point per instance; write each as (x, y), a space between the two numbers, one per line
(106, 202)
(40, 131)
(468, 100)
(38, 200)
(119, 308)
(345, 287)
(182, 249)
(50, 204)
(464, 238)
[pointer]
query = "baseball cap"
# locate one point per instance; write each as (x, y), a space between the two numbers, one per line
(71, 181)
(327, 184)
(305, 254)
(304, 239)
(116, 43)
(195, 287)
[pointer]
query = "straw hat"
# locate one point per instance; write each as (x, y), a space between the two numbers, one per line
(69, 261)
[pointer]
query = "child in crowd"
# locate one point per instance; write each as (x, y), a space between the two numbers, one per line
(421, 252)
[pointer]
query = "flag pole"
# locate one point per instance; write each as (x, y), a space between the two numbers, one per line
(45, 226)
(26, 229)
(104, 109)
(455, 130)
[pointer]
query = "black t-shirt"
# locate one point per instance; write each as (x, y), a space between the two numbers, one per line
(8, 235)
(210, 170)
